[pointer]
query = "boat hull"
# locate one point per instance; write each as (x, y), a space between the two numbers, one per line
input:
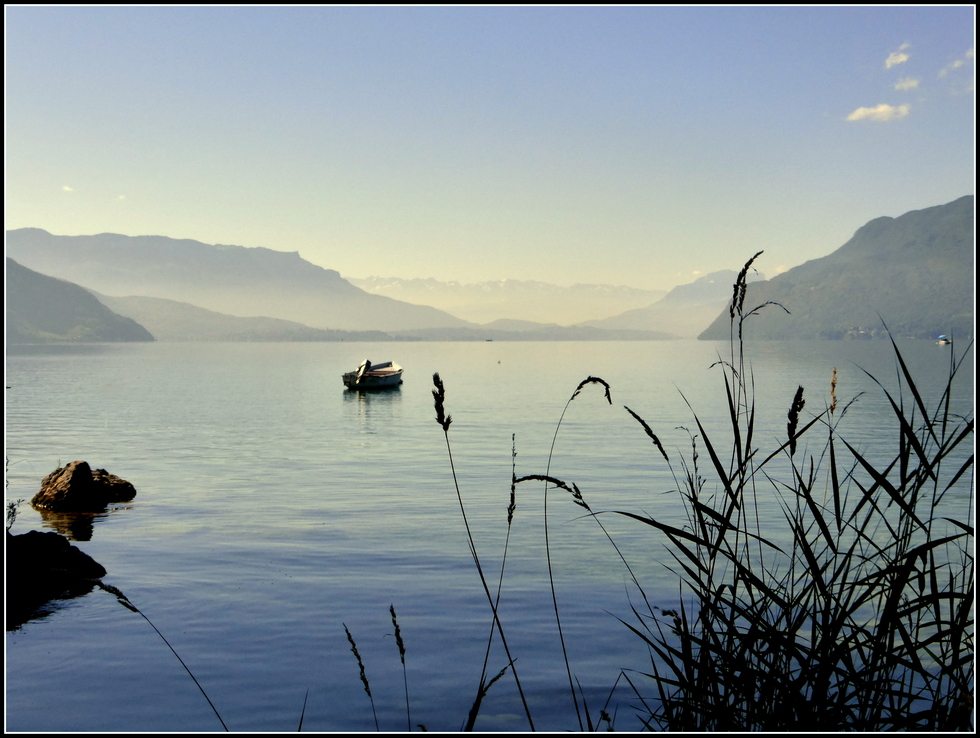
(367, 382)
(378, 377)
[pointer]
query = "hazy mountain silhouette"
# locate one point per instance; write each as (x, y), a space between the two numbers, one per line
(170, 320)
(248, 282)
(513, 299)
(685, 311)
(42, 309)
(916, 272)
(518, 330)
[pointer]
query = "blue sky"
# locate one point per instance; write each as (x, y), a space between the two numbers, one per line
(626, 145)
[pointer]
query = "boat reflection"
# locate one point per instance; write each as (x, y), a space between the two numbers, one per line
(377, 398)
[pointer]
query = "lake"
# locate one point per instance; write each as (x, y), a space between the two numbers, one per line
(274, 508)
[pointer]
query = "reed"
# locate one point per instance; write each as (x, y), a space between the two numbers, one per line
(401, 652)
(485, 685)
(583, 716)
(859, 617)
(127, 603)
(364, 679)
(577, 496)
(863, 621)
(444, 420)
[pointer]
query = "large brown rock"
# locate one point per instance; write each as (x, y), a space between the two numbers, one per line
(76, 488)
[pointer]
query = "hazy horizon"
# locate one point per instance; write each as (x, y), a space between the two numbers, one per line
(627, 146)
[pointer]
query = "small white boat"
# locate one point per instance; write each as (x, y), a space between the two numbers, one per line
(374, 376)
(943, 341)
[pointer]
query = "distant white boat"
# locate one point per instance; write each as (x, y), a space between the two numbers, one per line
(943, 341)
(374, 376)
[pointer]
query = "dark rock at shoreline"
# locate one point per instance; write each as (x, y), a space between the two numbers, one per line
(41, 567)
(76, 488)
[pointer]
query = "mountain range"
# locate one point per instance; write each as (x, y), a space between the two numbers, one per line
(684, 311)
(514, 299)
(913, 274)
(42, 309)
(170, 320)
(245, 282)
(187, 290)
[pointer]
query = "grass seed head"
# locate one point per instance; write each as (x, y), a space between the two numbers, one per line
(793, 419)
(592, 380)
(398, 633)
(833, 391)
(360, 663)
(650, 433)
(439, 396)
(738, 291)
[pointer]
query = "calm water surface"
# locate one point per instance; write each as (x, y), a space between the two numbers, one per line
(273, 508)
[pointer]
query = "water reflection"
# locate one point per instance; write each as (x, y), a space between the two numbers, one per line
(354, 509)
(371, 410)
(61, 349)
(21, 610)
(75, 526)
(365, 399)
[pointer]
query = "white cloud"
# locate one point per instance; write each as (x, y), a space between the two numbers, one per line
(66, 188)
(881, 112)
(954, 65)
(897, 57)
(907, 83)
(950, 67)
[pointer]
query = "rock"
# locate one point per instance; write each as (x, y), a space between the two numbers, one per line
(35, 552)
(76, 488)
(42, 567)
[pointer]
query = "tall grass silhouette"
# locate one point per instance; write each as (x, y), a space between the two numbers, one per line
(858, 616)
(864, 620)
(444, 420)
(123, 600)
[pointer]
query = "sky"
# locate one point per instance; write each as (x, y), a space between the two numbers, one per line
(638, 146)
